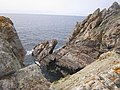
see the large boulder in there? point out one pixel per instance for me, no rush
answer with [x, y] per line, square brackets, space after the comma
[28, 78]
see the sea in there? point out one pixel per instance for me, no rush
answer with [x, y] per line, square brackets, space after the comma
[35, 28]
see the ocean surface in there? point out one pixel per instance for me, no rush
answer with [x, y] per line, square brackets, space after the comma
[33, 29]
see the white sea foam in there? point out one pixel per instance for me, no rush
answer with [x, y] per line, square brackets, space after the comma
[29, 52]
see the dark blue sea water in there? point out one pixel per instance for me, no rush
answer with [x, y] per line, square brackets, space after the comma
[32, 29]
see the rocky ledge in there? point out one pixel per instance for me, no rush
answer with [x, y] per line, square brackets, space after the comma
[102, 74]
[13, 74]
[95, 35]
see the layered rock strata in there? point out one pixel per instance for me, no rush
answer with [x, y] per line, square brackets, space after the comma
[97, 34]
[103, 74]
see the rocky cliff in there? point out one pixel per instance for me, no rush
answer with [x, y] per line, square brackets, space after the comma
[99, 31]
[13, 74]
[97, 34]
[95, 38]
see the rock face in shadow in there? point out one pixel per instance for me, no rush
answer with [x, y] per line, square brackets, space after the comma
[12, 74]
[97, 34]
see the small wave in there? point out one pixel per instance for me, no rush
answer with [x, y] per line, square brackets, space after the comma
[29, 52]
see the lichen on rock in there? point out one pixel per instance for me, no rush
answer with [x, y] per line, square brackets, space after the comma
[13, 74]
[8, 32]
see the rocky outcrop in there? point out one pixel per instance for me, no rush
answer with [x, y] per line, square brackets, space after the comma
[101, 27]
[28, 78]
[103, 74]
[114, 7]
[43, 49]
[100, 31]
[9, 48]
[97, 34]
[8, 33]
[12, 74]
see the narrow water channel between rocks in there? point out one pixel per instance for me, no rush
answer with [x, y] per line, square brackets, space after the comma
[29, 59]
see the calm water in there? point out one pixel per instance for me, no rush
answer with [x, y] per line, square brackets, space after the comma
[33, 29]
